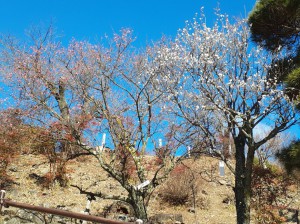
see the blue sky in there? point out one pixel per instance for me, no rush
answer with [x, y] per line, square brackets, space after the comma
[90, 19]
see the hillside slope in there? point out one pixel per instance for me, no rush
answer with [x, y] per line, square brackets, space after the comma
[214, 194]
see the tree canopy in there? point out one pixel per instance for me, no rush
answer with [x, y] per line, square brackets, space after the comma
[275, 25]
[83, 90]
[290, 157]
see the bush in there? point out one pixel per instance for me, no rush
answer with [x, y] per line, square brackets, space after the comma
[5, 160]
[10, 145]
[269, 188]
[290, 157]
[181, 187]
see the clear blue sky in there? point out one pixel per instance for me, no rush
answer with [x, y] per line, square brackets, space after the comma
[93, 18]
[90, 19]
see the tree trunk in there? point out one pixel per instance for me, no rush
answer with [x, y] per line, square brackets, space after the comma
[248, 180]
[137, 202]
[241, 201]
[243, 178]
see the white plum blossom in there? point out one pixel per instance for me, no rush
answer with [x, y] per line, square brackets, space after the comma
[218, 69]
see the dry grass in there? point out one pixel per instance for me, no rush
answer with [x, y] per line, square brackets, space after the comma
[85, 172]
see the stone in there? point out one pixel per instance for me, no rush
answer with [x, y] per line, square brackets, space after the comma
[228, 200]
[116, 209]
[166, 219]
[32, 217]
[13, 169]
[291, 215]
[12, 221]
[204, 192]
[191, 210]
[222, 182]
[122, 217]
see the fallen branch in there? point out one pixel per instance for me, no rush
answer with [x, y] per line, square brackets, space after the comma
[100, 194]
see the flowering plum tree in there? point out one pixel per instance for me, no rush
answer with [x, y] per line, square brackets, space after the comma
[215, 71]
[83, 90]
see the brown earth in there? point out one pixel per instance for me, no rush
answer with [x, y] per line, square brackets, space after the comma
[214, 198]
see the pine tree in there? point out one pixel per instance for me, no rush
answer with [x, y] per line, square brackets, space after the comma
[275, 25]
